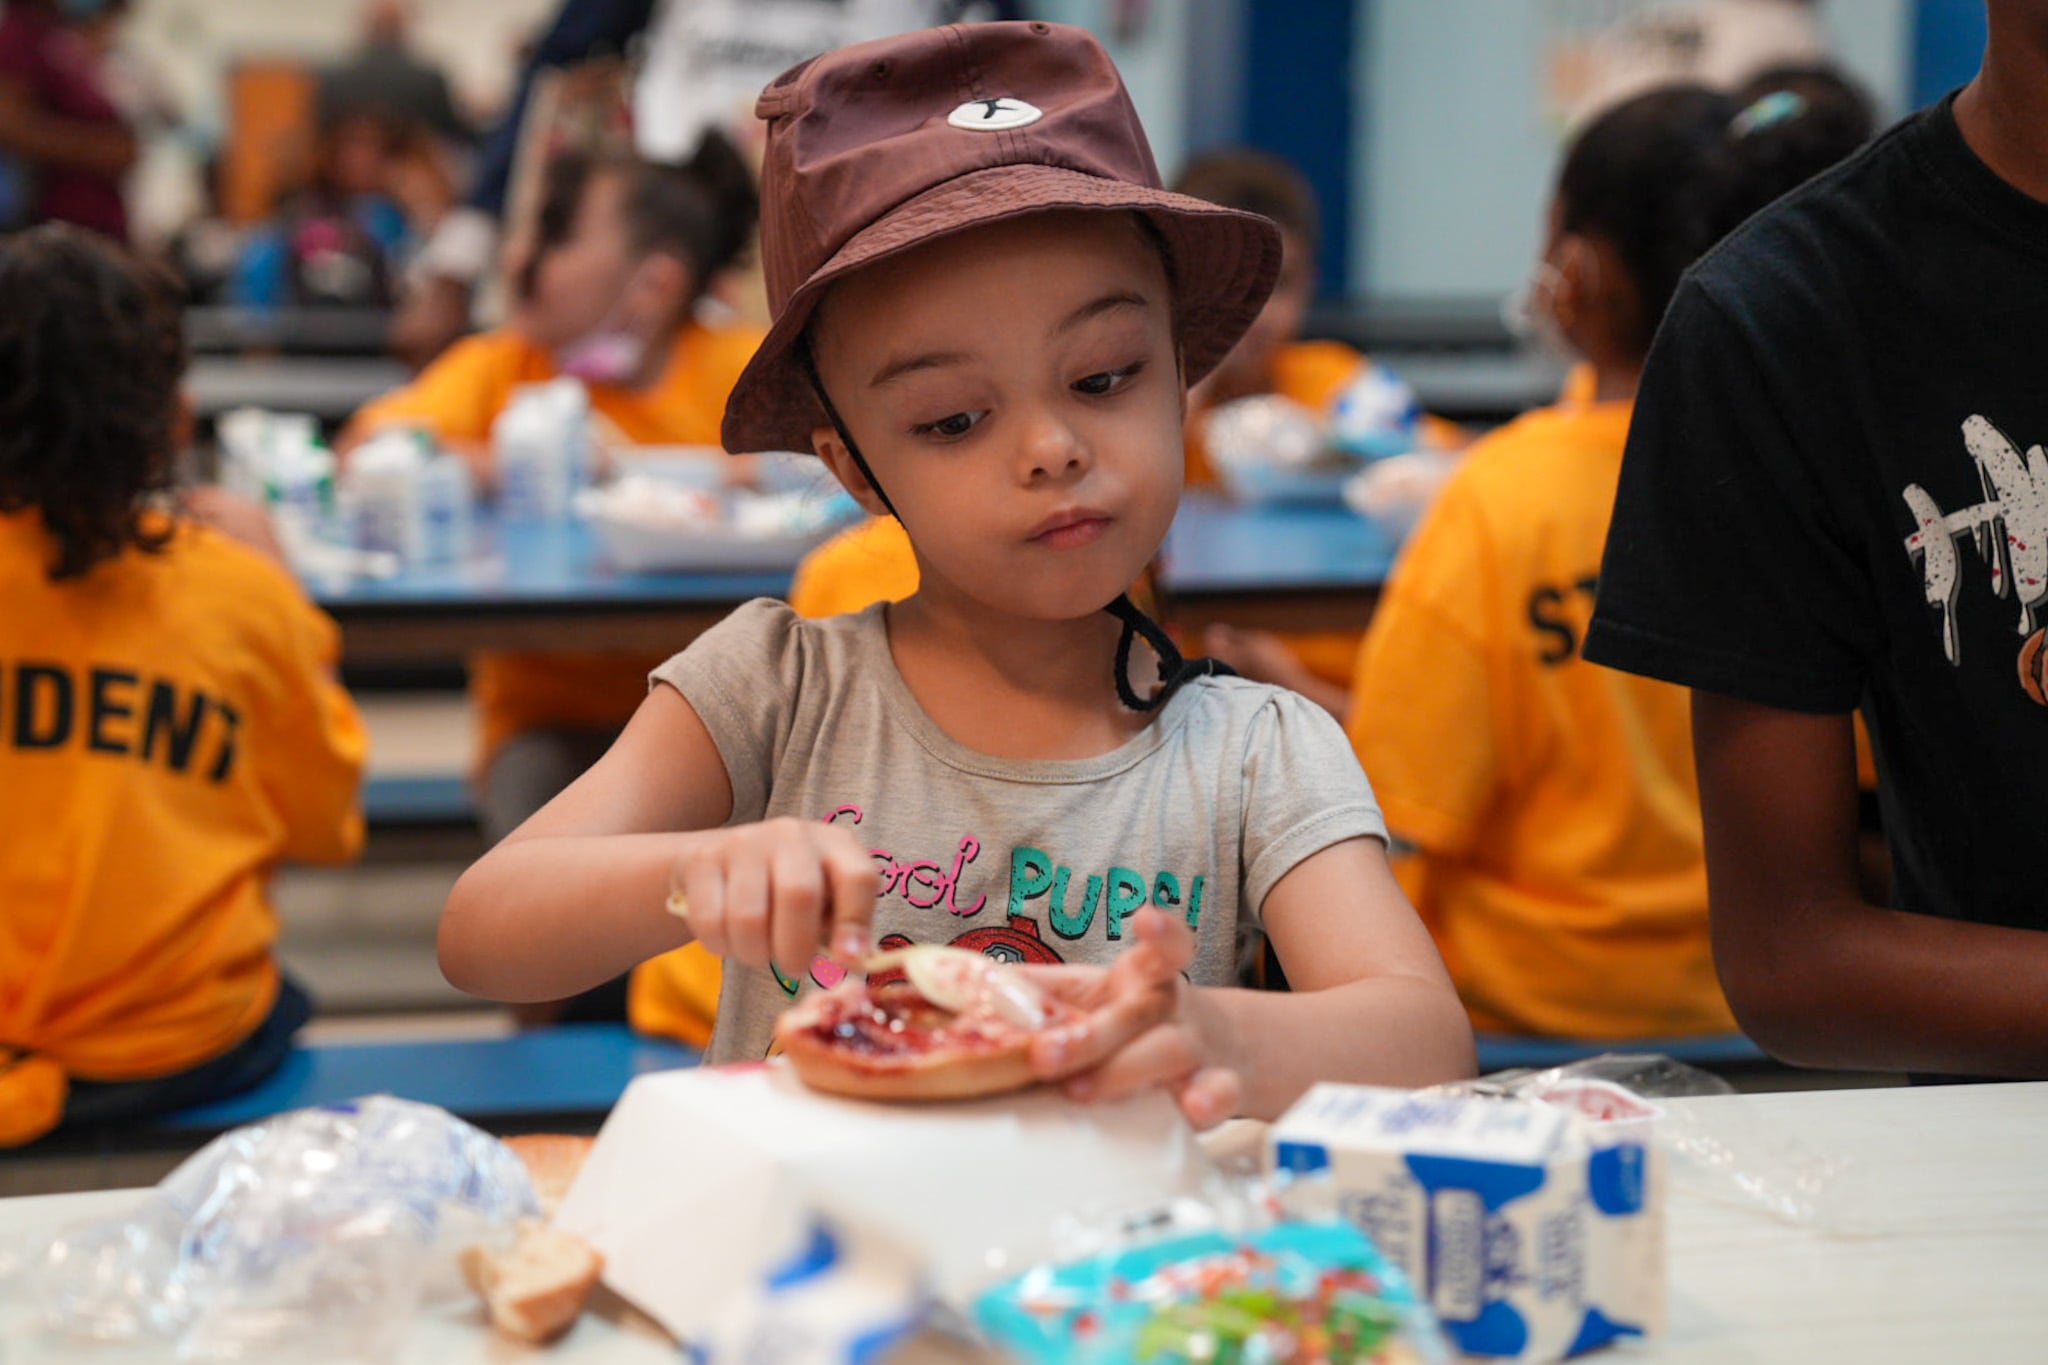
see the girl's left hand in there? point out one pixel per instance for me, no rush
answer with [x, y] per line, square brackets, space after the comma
[1141, 1028]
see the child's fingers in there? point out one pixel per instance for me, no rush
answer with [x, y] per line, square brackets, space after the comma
[1090, 1041]
[796, 922]
[850, 874]
[1165, 949]
[1161, 1058]
[746, 904]
[1210, 1096]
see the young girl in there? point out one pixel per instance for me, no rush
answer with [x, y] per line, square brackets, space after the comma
[170, 726]
[1552, 804]
[986, 312]
[623, 252]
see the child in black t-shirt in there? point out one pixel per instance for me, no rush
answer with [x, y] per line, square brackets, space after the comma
[1836, 496]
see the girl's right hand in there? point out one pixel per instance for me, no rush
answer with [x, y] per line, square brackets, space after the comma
[779, 890]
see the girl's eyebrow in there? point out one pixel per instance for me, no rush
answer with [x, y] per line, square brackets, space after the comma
[1095, 308]
[931, 360]
[935, 360]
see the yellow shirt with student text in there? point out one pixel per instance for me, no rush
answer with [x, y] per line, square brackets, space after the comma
[460, 395]
[170, 730]
[1552, 803]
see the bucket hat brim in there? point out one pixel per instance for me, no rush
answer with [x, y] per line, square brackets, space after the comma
[1224, 264]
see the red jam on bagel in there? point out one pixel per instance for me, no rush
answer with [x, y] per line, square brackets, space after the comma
[956, 1025]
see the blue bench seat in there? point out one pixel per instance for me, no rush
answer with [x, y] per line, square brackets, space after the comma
[1503, 1052]
[417, 799]
[568, 1070]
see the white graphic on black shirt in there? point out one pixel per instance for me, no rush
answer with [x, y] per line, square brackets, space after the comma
[2009, 528]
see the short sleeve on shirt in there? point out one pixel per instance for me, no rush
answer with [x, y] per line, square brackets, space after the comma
[1303, 792]
[1422, 705]
[740, 678]
[1725, 567]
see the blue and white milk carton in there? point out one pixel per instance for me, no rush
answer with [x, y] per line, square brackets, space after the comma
[1533, 1232]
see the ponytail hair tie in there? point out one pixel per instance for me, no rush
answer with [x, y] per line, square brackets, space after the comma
[1766, 112]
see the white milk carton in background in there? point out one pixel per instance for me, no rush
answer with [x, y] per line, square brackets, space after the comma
[439, 530]
[542, 446]
[1531, 1232]
[377, 497]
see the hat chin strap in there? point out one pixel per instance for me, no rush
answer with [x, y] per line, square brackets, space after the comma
[1174, 670]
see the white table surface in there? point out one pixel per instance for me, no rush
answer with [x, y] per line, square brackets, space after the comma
[1954, 1266]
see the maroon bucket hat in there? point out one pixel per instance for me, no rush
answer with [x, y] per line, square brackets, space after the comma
[876, 148]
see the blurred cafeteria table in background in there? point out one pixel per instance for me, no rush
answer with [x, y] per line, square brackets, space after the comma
[1282, 567]
[548, 586]
[329, 387]
[215, 330]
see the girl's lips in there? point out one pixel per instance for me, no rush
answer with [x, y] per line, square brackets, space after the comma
[1069, 533]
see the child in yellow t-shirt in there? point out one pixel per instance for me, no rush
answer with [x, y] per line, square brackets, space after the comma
[1552, 805]
[1272, 358]
[170, 724]
[623, 252]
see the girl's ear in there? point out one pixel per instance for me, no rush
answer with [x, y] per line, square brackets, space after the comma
[846, 469]
[1575, 287]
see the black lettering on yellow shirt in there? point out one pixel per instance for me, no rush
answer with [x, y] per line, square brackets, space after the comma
[1558, 619]
[179, 734]
[42, 706]
[46, 707]
[107, 706]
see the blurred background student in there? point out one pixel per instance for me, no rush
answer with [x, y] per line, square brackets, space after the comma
[623, 251]
[174, 725]
[67, 145]
[702, 64]
[342, 236]
[1551, 806]
[1274, 358]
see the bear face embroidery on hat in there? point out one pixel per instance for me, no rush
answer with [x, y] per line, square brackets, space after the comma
[996, 115]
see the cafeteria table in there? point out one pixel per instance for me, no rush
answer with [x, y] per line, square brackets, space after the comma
[328, 387]
[548, 586]
[1947, 1264]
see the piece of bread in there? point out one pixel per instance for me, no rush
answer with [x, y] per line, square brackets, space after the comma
[946, 1075]
[552, 1161]
[536, 1288]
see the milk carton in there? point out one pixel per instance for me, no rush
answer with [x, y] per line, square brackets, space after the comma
[1532, 1232]
[542, 444]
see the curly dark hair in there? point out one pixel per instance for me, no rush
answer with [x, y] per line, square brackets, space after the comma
[91, 352]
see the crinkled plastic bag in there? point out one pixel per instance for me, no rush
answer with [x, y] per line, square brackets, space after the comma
[318, 1234]
[1742, 1158]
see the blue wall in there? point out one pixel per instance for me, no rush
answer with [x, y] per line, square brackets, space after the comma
[1948, 44]
[1297, 105]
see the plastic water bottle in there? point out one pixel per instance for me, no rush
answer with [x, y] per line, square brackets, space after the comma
[377, 493]
[542, 445]
[443, 507]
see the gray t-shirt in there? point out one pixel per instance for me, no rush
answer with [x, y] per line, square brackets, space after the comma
[1231, 786]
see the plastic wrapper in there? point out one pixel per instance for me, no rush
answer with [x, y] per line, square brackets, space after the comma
[318, 1234]
[1748, 1162]
[1376, 416]
[1254, 1272]
[1394, 493]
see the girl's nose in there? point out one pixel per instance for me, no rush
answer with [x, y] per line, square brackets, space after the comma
[1054, 450]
